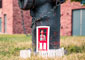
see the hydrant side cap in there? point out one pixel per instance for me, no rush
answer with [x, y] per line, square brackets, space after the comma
[25, 4]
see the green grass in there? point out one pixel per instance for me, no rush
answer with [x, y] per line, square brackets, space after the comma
[13, 38]
[10, 46]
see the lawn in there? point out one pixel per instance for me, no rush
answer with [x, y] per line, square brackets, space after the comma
[10, 45]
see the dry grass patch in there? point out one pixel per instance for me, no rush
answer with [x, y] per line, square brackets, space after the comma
[10, 46]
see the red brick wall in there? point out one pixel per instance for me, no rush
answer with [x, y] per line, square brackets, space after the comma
[66, 16]
[0, 12]
[7, 8]
[17, 22]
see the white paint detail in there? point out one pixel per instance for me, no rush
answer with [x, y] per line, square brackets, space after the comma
[44, 47]
[25, 54]
[52, 53]
[40, 45]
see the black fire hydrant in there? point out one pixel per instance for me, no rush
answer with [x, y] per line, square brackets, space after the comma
[44, 13]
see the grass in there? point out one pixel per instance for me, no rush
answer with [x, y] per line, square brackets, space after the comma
[10, 45]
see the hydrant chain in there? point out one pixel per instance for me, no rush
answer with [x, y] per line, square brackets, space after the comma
[44, 15]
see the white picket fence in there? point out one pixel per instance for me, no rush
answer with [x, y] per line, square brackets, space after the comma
[51, 53]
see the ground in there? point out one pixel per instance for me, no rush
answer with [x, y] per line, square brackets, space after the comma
[10, 46]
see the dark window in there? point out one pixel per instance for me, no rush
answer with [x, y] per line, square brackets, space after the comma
[5, 23]
[83, 2]
[0, 3]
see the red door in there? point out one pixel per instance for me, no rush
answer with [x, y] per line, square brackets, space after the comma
[42, 38]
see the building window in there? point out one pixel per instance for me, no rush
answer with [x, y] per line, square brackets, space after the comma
[0, 3]
[83, 2]
[5, 23]
[0, 25]
[79, 22]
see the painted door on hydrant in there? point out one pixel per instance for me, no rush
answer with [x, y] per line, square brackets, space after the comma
[42, 38]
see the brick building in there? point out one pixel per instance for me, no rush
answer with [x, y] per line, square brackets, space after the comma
[10, 18]
[70, 18]
[11, 23]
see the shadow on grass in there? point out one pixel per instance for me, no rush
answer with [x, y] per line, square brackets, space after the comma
[75, 49]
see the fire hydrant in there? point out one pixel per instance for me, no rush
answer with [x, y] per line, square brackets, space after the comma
[45, 13]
